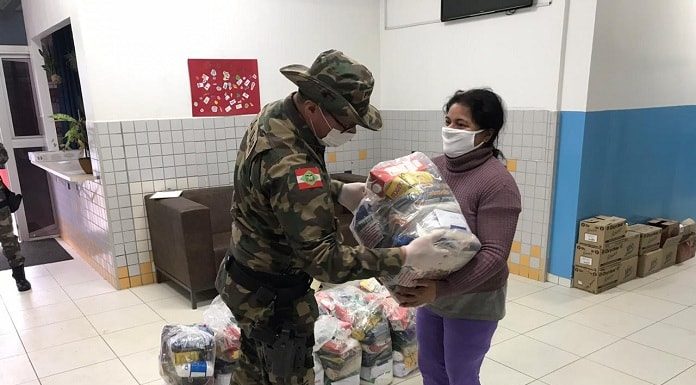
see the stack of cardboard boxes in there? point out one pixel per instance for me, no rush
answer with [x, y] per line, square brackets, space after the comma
[599, 253]
[609, 252]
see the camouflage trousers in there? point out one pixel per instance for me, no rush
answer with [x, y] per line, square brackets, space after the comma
[10, 244]
[252, 366]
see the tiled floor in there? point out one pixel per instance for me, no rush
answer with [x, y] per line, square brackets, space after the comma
[75, 328]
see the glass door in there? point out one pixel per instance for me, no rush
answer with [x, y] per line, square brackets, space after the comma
[21, 133]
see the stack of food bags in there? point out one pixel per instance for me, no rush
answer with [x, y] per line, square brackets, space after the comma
[187, 355]
[227, 334]
[339, 354]
[402, 322]
[407, 198]
[370, 328]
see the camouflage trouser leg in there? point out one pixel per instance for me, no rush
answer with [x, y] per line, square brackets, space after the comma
[252, 369]
[10, 244]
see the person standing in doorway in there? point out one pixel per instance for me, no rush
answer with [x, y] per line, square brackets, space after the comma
[8, 239]
[455, 331]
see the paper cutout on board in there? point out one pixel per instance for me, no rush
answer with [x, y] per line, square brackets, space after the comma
[224, 87]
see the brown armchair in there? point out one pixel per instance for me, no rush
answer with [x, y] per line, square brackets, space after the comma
[190, 236]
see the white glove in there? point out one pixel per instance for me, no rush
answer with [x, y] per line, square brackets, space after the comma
[422, 250]
[351, 194]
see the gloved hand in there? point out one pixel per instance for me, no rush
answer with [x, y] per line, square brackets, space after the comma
[422, 250]
[351, 194]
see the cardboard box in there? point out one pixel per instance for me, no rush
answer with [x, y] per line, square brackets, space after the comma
[650, 263]
[601, 229]
[687, 248]
[595, 257]
[596, 280]
[631, 245]
[669, 257]
[649, 237]
[628, 269]
[669, 228]
[688, 226]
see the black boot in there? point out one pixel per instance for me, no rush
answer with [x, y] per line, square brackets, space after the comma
[20, 279]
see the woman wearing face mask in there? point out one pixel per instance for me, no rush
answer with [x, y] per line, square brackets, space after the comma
[455, 330]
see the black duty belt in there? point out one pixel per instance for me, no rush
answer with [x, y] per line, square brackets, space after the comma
[282, 290]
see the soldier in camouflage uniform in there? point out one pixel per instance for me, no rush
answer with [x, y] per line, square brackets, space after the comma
[10, 244]
[285, 230]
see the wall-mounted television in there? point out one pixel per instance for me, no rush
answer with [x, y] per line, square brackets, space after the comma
[459, 9]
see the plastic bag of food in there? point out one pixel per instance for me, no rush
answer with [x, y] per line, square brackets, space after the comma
[226, 331]
[402, 322]
[407, 198]
[187, 355]
[339, 354]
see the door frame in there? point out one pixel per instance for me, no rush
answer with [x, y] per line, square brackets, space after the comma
[11, 142]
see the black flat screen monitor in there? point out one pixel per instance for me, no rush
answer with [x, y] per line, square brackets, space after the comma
[459, 9]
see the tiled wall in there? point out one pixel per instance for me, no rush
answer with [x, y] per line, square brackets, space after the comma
[142, 157]
[82, 217]
[528, 141]
[135, 158]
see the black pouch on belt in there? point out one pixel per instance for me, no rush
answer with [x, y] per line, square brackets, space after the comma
[284, 349]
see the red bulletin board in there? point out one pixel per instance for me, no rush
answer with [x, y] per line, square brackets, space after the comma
[224, 87]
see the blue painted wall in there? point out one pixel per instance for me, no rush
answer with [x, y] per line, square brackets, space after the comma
[637, 164]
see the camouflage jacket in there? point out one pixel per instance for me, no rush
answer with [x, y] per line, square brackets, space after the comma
[3, 156]
[283, 206]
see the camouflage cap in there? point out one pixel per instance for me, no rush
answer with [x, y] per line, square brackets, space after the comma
[340, 85]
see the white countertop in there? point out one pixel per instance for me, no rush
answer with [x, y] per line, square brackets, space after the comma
[61, 164]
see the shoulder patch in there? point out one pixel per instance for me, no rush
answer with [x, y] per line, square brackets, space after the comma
[308, 178]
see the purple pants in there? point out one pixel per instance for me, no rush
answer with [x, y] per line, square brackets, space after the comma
[451, 351]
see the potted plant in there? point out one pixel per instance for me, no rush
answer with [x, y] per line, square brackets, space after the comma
[76, 136]
[50, 67]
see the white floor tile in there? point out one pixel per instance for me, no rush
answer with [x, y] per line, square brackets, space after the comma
[641, 361]
[88, 289]
[522, 319]
[637, 282]
[609, 320]
[644, 306]
[668, 338]
[81, 274]
[553, 302]
[518, 289]
[684, 319]
[56, 334]
[572, 337]
[684, 277]
[6, 325]
[178, 310]
[686, 378]
[45, 315]
[33, 299]
[154, 292]
[40, 284]
[135, 340]
[108, 302]
[125, 318]
[66, 357]
[668, 291]
[411, 381]
[63, 267]
[144, 366]
[594, 298]
[493, 373]
[530, 357]
[584, 372]
[10, 345]
[105, 373]
[16, 370]
[503, 334]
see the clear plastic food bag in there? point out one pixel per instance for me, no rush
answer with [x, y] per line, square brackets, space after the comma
[340, 355]
[226, 331]
[407, 198]
[187, 355]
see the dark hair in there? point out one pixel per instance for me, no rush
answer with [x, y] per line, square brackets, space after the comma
[487, 111]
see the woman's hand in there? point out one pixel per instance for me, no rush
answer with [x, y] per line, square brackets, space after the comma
[425, 292]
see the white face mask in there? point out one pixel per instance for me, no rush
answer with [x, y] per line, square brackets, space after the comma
[334, 138]
[457, 142]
